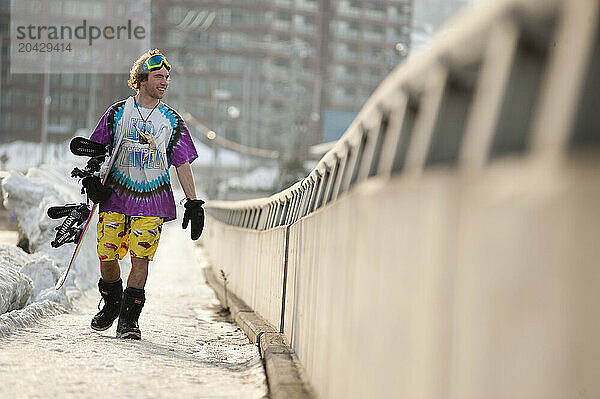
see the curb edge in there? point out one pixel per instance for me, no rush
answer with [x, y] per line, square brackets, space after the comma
[282, 368]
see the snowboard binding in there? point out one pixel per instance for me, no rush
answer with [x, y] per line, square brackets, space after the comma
[90, 175]
[71, 228]
[76, 215]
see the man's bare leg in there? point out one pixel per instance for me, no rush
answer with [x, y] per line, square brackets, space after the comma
[138, 274]
[110, 270]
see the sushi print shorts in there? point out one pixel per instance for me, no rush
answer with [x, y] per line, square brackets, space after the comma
[118, 233]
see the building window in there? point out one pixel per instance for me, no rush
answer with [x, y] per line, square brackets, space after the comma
[67, 80]
[66, 121]
[66, 101]
[6, 97]
[284, 16]
[233, 64]
[281, 62]
[233, 86]
[118, 80]
[30, 123]
[30, 100]
[30, 78]
[5, 121]
[82, 103]
[176, 14]
[199, 86]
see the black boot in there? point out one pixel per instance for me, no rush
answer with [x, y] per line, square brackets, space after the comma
[133, 302]
[112, 294]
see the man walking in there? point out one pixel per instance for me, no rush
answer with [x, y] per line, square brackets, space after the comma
[130, 220]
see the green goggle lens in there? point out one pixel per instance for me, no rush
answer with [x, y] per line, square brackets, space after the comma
[156, 62]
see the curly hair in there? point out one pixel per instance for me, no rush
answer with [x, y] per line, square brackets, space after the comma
[137, 75]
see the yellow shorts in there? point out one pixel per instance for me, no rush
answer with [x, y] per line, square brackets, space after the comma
[118, 233]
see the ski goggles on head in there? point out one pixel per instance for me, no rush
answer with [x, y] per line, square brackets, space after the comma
[156, 62]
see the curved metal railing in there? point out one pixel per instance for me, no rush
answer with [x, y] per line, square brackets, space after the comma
[511, 78]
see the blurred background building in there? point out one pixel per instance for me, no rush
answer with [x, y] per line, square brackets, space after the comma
[280, 75]
[297, 70]
[430, 15]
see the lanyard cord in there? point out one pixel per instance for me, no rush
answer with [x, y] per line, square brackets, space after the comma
[140, 112]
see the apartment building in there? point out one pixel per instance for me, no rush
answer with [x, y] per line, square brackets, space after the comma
[276, 74]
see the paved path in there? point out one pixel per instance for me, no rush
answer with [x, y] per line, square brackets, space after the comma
[9, 237]
[187, 349]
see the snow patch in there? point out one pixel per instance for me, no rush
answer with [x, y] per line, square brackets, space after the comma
[27, 282]
[23, 155]
[261, 178]
[17, 319]
[15, 288]
[29, 197]
[13, 255]
[44, 273]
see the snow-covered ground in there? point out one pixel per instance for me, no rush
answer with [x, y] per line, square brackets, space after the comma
[27, 280]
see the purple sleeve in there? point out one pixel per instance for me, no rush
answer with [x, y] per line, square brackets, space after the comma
[102, 133]
[183, 149]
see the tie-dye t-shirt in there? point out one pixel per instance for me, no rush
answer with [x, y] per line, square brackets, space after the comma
[139, 177]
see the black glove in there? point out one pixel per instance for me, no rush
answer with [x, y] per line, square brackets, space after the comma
[95, 190]
[195, 213]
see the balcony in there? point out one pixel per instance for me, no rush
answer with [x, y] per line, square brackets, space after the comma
[344, 99]
[343, 54]
[305, 28]
[306, 5]
[282, 25]
[346, 9]
[399, 18]
[347, 33]
[374, 36]
[371, 79]
[375, 14]
[343, 76]
[277, 72]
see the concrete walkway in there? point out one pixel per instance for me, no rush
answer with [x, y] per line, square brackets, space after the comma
[187, 349]
[9, 237]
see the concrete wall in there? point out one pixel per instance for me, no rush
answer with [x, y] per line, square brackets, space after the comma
[368, 289]
[526, 319]
[252, 262]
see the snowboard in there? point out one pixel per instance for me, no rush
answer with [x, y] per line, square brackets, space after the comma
[78, 217]
[70, 230]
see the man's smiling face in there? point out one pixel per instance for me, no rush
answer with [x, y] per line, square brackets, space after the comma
[157, 83]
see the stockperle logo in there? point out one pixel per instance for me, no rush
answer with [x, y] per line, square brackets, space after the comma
[78, 36]
[86, 32]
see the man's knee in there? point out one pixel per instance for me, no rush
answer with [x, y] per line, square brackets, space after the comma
[110, 270]
[139, 262]
[109, 264]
